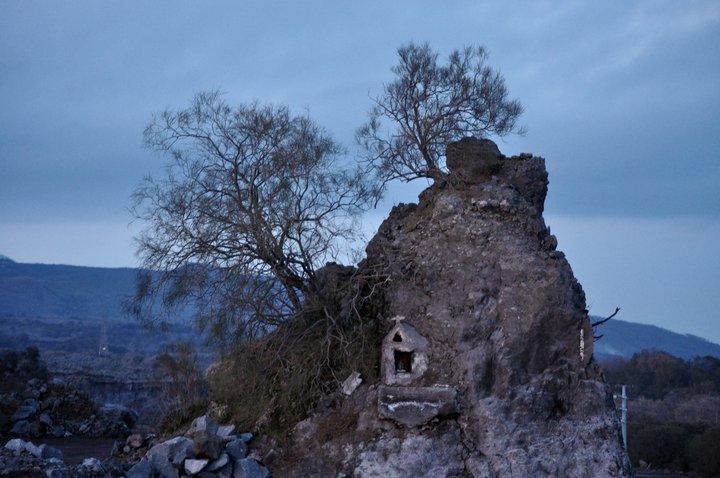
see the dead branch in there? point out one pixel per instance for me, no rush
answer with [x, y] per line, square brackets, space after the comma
[600, 322]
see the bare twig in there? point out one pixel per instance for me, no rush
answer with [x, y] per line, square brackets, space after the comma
[602, 321]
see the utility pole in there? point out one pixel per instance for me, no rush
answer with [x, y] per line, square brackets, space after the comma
[623, 415]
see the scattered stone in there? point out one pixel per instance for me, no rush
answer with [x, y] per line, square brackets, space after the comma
[175, 450]
[93, 464]
[237, 449]
[204, 423]
[351, 383]
[113, 413]
[249, 468]
[136, 440]
[225, 472]
[19, 458]
[141, 469]
[46, 420]
[56, 473]
[226, 431]
[207, 445]
[246, 437]
[304, 430]
[270, 457]
[29, 408]
[20, 428]
[17, 445]
[194, 466]
[162, 467]
[116, 448]
[57, 431]
[34, 450]
[222, 460]
[47, 452]
[204, 456]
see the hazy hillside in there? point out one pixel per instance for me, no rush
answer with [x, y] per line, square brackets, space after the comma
[63, 291]
[41, 290]
[624, 339]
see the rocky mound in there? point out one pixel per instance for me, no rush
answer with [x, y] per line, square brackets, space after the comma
[487, 368]
[19, 458]
[35, 406]
[207, 450]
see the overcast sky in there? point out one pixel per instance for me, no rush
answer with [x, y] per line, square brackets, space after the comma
[622, 99]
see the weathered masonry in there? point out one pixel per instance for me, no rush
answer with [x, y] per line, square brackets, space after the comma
[404, 362]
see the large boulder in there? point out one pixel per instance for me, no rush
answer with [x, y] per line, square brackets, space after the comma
[207, 445]
[141, 469]
[16, 445]
[194, 466]
[493, 316]
[175, 450]
[162, 468]
[220, 462]
[237, 449]
[205, 424]
[473, 160]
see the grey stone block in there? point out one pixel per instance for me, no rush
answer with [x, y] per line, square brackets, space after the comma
[414, 406]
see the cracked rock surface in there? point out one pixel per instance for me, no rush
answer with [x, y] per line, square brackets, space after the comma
[474, 269]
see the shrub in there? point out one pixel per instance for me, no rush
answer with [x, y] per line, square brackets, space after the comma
[182, 383]
[661, 444]
[704, 452]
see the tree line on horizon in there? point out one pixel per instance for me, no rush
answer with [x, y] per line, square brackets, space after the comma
[673, 412]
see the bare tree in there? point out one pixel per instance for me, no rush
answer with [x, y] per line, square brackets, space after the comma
[430, 105]
[252, 204]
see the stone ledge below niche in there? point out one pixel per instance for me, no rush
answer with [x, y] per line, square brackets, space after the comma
[415, 406]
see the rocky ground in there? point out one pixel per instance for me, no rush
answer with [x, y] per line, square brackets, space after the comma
[206, 450]
[130, 379]
[19, 458]
[58, 410]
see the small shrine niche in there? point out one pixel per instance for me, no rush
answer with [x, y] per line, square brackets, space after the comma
[404, 357]
[403, 361]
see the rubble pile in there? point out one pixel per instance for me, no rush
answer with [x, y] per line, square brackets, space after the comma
[207, 450]
[58, 410]
[25, 459]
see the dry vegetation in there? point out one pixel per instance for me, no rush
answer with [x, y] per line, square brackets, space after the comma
[272, 382]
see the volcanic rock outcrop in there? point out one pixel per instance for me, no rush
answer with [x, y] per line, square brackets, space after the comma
[487, 367]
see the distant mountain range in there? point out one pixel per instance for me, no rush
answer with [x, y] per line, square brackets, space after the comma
[41, 290]
[623, 339]
[44, 290]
